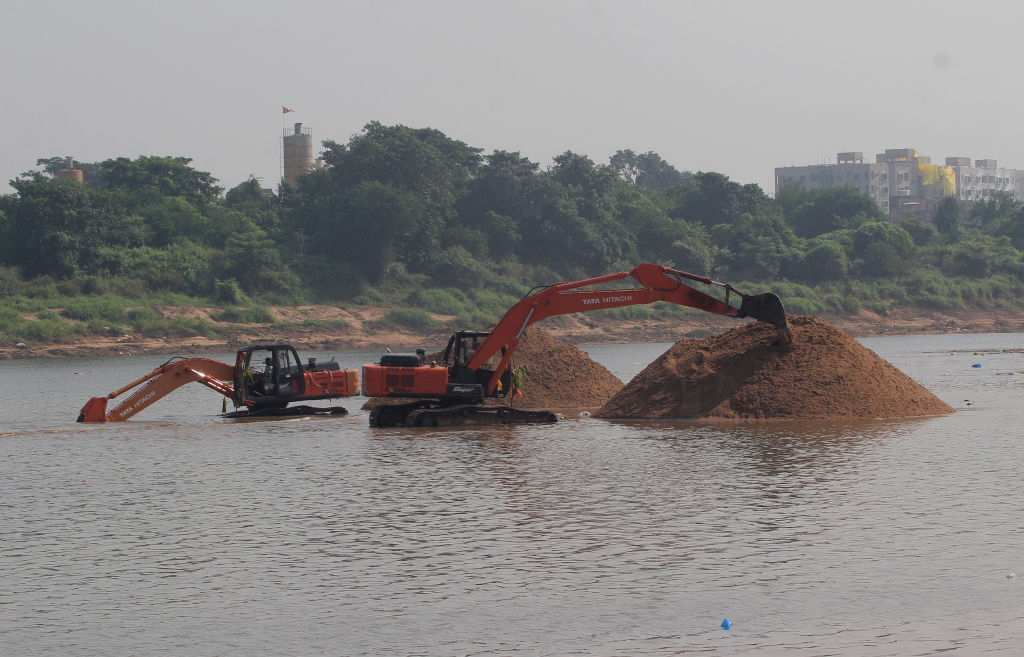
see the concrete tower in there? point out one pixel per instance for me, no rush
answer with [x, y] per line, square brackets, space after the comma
[69, 172]
[298, 153]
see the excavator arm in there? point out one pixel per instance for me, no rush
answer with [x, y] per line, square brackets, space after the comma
[658, 283]
[157, 384]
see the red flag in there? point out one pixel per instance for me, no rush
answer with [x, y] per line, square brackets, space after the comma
[285, 110]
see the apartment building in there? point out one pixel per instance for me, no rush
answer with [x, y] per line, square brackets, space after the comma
[905, 183]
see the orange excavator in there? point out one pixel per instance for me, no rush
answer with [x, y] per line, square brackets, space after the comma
[453, 391]
[265, 379]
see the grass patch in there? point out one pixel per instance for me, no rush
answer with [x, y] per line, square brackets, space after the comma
[245, 315]
[415, 319]
[312, 322]
[181, 327]
[88, 309]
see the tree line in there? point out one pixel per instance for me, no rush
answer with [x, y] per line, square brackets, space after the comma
[413, 217]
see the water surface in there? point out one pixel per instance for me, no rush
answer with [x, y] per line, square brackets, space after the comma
[181, 533]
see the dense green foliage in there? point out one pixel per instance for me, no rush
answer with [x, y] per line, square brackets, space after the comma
[423, 222]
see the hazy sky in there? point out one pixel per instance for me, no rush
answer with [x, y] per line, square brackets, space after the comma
[734, 87]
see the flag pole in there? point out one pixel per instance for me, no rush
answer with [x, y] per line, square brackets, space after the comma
[284, 110]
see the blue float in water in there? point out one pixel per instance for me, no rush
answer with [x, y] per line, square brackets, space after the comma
[726, 624]
[976, 365]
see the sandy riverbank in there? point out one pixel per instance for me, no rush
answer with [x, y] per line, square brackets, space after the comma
[361, 331]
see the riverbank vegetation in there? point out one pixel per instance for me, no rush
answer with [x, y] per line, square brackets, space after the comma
[445, 236]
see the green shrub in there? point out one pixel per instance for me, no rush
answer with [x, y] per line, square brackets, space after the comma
[10, 282]
[370, 296]
[105, 308]
[490, 301]
[229, 293]
[629, 313]
[477, 320]
[47, 330]
[412, 318]
[246, 315]
[842, 304]
[803, 306]
[100, 327]
[446, 301]
[10, 323]
[42, 287]
[140, 312]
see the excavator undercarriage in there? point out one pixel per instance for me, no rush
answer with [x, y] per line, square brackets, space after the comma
[427, 413]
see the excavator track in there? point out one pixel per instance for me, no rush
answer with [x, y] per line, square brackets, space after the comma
[423, 414]
[287, 411]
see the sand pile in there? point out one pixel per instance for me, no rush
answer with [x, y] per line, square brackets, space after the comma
[558, 375]
[741, 374]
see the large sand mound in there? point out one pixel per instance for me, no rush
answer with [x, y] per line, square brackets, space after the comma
[742, 374]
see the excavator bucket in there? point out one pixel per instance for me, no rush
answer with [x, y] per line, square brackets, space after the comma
[95, 410]
[767, 307]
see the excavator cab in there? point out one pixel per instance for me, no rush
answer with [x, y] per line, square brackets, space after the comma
[460, 350]
[268, 375]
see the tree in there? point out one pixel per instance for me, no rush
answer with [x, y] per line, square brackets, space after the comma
[500, 199]
[759, 244]
[255, 262]
[433, 169]
[91, 172]
[249, 198]
[826, 210]
[922, 232]
[823, 260]
[149, 176]
[597, 239]
[52, 227]
[792, 198]
[711, 199]
[173, 218]
[650, 227]
[947, 219]
[352, 234]
[647, 170]
[998, 206]
[880, 249]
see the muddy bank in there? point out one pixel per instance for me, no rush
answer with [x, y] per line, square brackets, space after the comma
[743, 374]
[362, 331]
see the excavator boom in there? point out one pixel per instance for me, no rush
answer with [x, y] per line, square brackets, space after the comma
[659, 284]
[157, 384]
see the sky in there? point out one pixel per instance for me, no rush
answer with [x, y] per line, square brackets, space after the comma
[737, 87]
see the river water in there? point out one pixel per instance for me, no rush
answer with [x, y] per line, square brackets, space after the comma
[181, 533]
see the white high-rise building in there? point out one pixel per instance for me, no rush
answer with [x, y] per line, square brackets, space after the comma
[904, 183]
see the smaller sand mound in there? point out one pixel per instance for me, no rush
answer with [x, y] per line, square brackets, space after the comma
[558, 375]
[741, 374]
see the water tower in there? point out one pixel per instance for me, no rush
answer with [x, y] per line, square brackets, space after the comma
[298, 153]
[69, 172]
